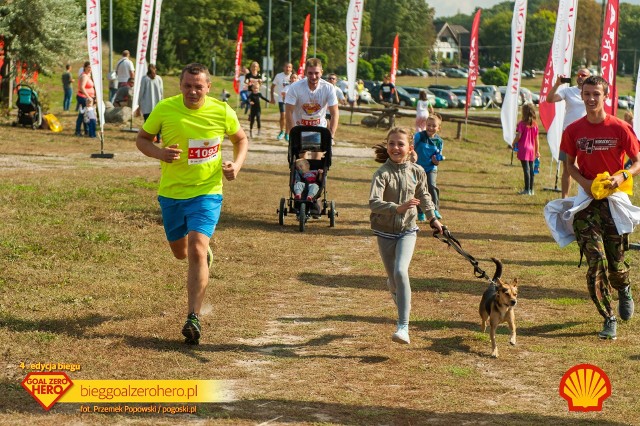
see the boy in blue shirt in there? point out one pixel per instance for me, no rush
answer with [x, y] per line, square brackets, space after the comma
[428, 154]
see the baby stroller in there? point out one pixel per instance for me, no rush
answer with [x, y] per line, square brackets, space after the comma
[29, 110]
[313, 144]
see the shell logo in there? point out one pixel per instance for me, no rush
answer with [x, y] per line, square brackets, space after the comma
[585, 387]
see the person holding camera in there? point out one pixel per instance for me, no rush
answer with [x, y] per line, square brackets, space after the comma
[574, 110]
[427, 152]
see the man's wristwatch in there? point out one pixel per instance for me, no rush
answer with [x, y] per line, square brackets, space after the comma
[625, 175]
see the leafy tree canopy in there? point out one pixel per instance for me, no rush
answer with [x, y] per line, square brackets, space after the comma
[43, 33]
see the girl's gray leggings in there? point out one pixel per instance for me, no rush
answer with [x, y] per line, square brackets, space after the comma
[396, 255]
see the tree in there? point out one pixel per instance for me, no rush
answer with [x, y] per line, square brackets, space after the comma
[381, 66]
[365, 70]
[629, 36]
[409, 18]
[42, 33]
[198, 30]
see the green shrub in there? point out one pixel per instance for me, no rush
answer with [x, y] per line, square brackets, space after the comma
[495, 76]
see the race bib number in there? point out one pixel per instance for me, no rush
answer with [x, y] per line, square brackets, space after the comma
[203, 150]
[310, 122]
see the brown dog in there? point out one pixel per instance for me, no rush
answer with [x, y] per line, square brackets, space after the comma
[497, 306]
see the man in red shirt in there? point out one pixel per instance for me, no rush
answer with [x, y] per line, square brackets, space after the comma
[594, 144]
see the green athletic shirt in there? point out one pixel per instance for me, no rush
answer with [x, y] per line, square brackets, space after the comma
[199, 133]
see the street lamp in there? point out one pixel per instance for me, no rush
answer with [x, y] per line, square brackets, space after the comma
[287, 1]
[315, 27]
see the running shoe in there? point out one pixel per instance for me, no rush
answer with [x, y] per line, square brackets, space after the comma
[192, 330]
[401, 335]
[280, 135]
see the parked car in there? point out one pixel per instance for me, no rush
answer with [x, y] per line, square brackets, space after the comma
[490, 93]
[447, 95]
[525, 95]
[456, 73]
[373, 87]
[405, 98]
[431, 98]
[536, 98]
[411, 72]
[630, 101]
[623, 103]
[476, 98]
[440, 86]
[436, 73]
[422, 72]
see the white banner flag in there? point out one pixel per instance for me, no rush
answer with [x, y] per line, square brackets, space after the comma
[509, 112]
[354, 26]
[156, 33]
[141, 52]
[562, 57]
[94, 46]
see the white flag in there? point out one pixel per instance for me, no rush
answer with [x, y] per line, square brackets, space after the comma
[156, 33]
[509, 112]
[354, 26]
[562, 56]
[94, 46]
[141, 52]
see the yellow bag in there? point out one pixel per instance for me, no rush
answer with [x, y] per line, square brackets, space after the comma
[600, 185]
[53, 123]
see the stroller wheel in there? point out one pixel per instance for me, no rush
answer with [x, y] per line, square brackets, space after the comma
[281, 211]
[332, 214]
[302, 215]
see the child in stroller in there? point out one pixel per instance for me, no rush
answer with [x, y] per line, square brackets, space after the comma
[306, 178]
[309, 159]
[29, 110]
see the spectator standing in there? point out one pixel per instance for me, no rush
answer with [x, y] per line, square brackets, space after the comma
[574, 110]
[281, 80]
[151, 91]
[67, 87]
[86, 90]
[125, 69]
[422, 111]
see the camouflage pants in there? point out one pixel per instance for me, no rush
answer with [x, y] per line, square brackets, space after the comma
[604, 250]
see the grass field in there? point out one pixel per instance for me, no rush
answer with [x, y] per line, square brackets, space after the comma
[298, 325]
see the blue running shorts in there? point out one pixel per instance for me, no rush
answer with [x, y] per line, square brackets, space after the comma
[198, 214]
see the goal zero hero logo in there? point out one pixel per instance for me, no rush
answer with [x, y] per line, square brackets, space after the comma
[585, 387]
[47, 388]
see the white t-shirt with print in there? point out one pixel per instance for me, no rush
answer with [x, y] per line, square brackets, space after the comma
[311, 106]
[280, 81]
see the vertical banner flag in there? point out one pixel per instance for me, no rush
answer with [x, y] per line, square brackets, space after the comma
[156, 33]
[509, 111]
[636, 117]
[609, 55]
[94, 46]
[141, 52]
[394, 59]
[1, 55]
[559, 62]
[236, 77]
[354, 26]
[473, 61]
[305, 44]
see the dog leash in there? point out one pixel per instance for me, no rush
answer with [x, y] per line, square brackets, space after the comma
[451, 241]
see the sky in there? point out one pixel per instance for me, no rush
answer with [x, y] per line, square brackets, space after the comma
[451, 7]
